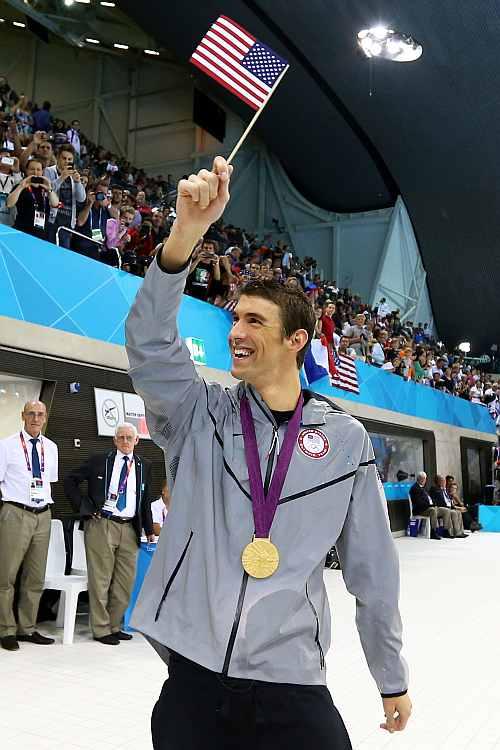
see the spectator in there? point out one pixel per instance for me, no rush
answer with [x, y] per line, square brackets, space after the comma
[73, 138]
[42, 119]
[378, 352]
[40, 148]
[160, 509]
[422, 504]
[467, 519]
[66, 181]
[117, 236]
[383, 309]
[356, 332]
[327, 323]
[92, 220]
[33, 198]
[204, 271]
[10, 177]
[454, 527]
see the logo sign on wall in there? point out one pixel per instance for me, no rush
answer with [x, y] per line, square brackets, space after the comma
[113, 407]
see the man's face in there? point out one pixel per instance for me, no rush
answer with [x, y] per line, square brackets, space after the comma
[157, 220]
[44, 150]
[75, 125]
[441, 483]
[117, 195]
[140, 198]
[34, 169]
[165, 494]
[65, 160]
[359, 320]
[34, 416]
[422, 480]
[125, 439]
[208, 248]
[256, 340]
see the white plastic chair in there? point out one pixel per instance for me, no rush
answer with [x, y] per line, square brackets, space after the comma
[425, 522]
[69, 586]
[79, 561]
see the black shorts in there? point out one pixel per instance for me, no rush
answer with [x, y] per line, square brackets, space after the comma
[200, 710]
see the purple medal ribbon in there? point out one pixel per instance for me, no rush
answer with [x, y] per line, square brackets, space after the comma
[264, 506]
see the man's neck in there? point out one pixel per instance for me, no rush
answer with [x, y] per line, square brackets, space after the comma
[121, 453]
[281, 395]
[32, 431]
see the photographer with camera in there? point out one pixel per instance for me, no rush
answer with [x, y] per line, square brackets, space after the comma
[92, 220]
[40, 148]
[10, 177]
[67, 182]
[33, 199]
[204, 271]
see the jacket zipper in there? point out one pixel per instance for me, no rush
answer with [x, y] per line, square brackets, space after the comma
[244, 581]
[172, 577]
[316, 637]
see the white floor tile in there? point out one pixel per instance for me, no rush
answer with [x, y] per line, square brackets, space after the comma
[451, 613]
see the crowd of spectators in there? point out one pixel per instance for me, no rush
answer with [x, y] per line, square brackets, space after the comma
[53, 179]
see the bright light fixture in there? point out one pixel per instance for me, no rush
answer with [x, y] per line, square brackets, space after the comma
[68, 3]
[380, 41]
[151, 52]
[19, 24]
[92, 41]
[464, 347]
[121, 46]
[107, 4]
[84, 2]
[2, 20]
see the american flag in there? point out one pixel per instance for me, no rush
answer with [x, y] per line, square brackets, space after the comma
[345, 375]
[230, 55]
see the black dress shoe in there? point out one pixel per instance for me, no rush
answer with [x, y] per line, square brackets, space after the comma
[460, 536]
[123, 636]
[435, 535]
[37, 638]
[445, 534]
[108, 640]
[9, 643]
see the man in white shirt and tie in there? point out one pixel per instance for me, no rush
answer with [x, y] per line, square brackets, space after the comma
[160, 508]
[28, 465]
[115, 508]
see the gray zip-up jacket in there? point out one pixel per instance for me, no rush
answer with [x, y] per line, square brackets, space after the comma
[196, 599]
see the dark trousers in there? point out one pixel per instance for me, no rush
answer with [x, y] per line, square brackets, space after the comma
[201, 710]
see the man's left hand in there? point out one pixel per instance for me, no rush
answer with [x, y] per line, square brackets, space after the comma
[397, 712]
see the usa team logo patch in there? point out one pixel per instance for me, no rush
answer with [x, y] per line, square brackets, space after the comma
[313, 443]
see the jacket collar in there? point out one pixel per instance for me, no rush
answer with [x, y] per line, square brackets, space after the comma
[313, 412]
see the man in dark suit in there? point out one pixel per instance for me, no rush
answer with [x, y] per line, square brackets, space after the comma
[443, 501]
[117, 505]
[422, 504]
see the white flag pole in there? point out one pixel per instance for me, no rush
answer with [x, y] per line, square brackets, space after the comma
[255, 117]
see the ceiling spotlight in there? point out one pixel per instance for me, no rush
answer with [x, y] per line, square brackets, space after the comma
[121, 46]
[107, 4]
[92, 41]
[464, 347]
[151, 52]
[84, 2]
[380, 41]
[2, 20]
[69, 3]
[19, 24]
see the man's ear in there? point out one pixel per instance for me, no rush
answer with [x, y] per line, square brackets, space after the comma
[298, 340]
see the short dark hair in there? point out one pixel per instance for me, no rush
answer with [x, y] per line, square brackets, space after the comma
[295, 308]
[66, 147]
[46, 105]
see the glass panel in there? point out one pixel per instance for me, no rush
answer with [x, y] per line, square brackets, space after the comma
[473, 472]
[14, 392]
[399, 458]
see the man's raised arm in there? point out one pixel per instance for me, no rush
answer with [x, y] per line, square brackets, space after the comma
[160, 364]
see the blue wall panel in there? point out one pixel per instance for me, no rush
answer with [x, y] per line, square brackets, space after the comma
[50, 286]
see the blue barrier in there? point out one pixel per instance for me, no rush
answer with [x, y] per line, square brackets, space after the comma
[47, 285]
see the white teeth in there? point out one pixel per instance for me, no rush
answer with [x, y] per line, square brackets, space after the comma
[242, 353]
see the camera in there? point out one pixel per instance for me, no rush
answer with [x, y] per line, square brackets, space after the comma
[100, 196]
[37, 180]
[7, 161]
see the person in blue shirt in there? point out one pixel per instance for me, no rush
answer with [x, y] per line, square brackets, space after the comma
[42, 119]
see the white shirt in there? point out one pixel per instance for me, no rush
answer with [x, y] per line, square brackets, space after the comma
[129, 509]
[378, 355]
[159, 511]
[15, 479]
[74, 138]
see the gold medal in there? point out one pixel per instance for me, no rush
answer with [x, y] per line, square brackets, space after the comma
[260, 558]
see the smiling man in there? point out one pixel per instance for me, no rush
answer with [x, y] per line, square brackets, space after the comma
[265, 478]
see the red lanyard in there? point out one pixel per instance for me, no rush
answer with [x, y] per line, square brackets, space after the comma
[28, 465]
[122, 486]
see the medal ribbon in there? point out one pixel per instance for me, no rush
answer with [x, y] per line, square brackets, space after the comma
[264, 506]
[28, 463]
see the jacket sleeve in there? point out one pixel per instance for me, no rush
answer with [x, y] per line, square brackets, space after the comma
[160, 364]
[72, 481]
[371, 573]
[80, 194]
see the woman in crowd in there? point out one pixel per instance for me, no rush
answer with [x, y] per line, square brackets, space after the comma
[33, 199]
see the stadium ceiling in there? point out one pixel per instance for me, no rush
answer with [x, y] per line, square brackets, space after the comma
[428, 131]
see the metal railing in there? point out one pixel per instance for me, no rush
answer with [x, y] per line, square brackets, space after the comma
[88, 239]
